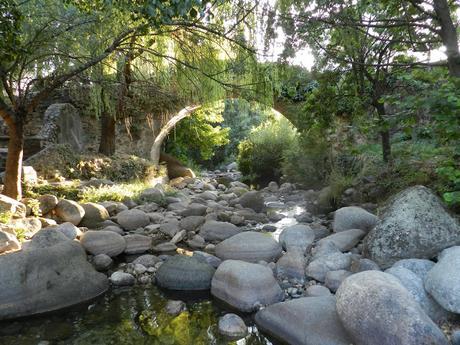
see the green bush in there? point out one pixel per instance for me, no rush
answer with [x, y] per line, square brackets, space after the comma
[307, 161]
[260, 156]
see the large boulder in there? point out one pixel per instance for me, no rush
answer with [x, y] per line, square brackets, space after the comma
[69, 211]
[132, 219]
[420, 267]
[184, 273]
[443, 280]
[45, 238]
[353, 217]
[245, 286]
[414, 284]
[47, 279]
[304, 321]
[136, 243]
[103, 242]
[414, 225]
[249, 246]
[376, 309]
[297, 236]
[95, 214]
[252, 200]
[213, 230]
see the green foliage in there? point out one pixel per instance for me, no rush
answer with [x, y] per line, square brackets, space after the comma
[308, 160]
[197, 136]
[5, 217]
[69, 190]
[260, 156]
[62, 161]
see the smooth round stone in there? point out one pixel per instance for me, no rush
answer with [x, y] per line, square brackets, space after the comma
[122, 279]
[136, 244]
[47, 203]
[345, 240]
[218, 231]
[102, 262]
[133, 219]
[245, 286]
[184, 273]
[297, 236]
[103, 242]
[233, 326]
[47, 237]
[94, 215]
[69, 211]
[249, 246]
[353, 217]
[443, 280]
[376, 309]
[305, 321]
[317, 291]
[69, 230]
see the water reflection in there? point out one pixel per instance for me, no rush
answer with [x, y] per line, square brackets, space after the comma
[123, 317]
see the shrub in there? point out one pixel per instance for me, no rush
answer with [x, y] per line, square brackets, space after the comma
[260, 156]
[307, 161]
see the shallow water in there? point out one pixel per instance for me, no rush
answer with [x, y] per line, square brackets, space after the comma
[128, 316]
[136, 316]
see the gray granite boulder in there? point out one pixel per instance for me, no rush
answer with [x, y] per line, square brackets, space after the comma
[414, 225]
[375, 308]
[47, 279]
[68, 229]
[245, 286]
[291, 266]
[170, 227]
[318, 268]
[304, 321]
[345, 240]
[443, 280]
[414, 284]
[335, 278]
[184, 273]
[45, 238]
[218, 231]
[297, 236]
[194, 209]
[132, 219]
[253, 200]
[47, 203]
[353, 217]
[249, 246]
[137, 244]
[420, 267]
[69, 211]
[103, 242]
[94, 215]
[191, 223]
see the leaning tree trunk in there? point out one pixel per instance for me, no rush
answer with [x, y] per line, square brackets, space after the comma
[384, 133]
[448, 35]
[156, 147]
[13, 167]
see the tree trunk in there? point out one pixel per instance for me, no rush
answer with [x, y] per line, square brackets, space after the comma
[13, 168]
[448, 36]
[156, 147]
[107, 140]
[384, 133]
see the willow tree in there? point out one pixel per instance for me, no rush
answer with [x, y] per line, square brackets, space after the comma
[36, 56]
